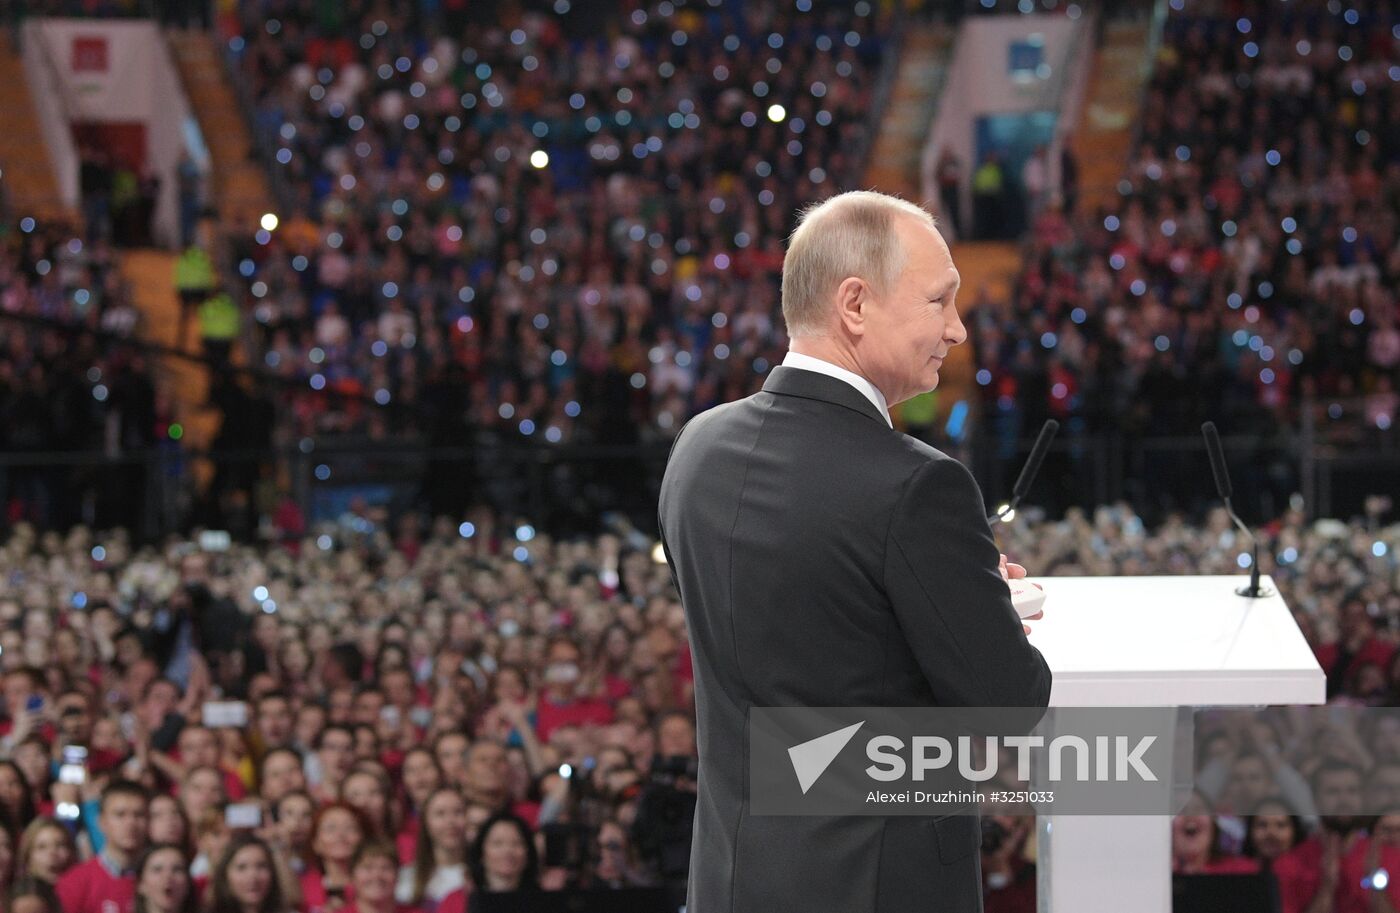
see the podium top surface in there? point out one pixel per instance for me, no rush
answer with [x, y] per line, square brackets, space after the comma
[1172, 641]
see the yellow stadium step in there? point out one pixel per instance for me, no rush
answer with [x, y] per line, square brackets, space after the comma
[150, 274]
[924, 55]
[27, 174]
[1101, 141]
[240, 186]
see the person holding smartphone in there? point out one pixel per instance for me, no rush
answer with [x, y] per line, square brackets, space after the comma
[26, 708]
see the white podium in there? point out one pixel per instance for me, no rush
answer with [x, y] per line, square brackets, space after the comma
[1153, 642]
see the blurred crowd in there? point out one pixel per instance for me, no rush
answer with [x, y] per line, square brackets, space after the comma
[422, 711]
[1254, 257]
[585, 232]
[67, 382]
[421, 708]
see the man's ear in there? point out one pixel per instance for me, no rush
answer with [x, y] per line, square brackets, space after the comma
[853, 305]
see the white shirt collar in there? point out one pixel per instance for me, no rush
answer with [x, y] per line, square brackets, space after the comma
[822, 366]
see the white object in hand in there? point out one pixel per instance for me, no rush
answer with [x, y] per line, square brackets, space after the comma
[1027, 598]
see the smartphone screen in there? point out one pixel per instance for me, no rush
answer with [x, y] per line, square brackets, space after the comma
[73, 771]
[243, 815]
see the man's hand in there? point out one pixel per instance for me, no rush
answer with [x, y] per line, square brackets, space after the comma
[1010, 571]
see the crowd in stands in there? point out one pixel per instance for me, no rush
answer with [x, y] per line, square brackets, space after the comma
[67, 382]
[585, 231]
[424, 708]
[1254, 258]
[585, 235]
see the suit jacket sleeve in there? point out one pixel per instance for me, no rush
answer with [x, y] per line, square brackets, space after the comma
[660, 524]
[955, 609]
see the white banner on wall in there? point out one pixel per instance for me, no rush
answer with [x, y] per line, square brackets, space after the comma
[108, 68]
[118, 71]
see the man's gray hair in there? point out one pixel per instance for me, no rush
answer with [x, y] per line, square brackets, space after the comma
[850, 234]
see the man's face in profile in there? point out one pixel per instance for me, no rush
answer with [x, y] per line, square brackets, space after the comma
[914, 323]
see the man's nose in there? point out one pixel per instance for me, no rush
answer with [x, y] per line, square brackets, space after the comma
[955, 331]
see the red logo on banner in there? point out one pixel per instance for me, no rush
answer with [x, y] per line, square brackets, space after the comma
[90, 55]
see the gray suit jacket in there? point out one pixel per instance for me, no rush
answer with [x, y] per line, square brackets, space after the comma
[825, 559]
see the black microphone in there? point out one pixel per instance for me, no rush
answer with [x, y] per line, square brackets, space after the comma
[1028, 472]
[1222, 485]
[1217, 461]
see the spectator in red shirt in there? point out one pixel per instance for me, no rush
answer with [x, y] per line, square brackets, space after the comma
[335, 755]
[614, 650]
[450, 752]
[107, 882]
[336, 834]
[281, 772]
[368, 788]
[201, 790]
[421, 778]
[1311, 871]
[292, 818]
[373, 875]
[1272, 830]
[485, 779]
[245, 880]
[163, 881]
[561, 704]
[198, 746]
[1196, 844]
[272, 720]
[1008, 871]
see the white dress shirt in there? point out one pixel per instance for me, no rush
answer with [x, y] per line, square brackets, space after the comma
[822, 366]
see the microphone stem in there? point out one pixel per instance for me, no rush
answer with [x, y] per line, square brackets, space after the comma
[1254, 588]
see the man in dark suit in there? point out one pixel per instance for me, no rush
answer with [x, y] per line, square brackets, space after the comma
[825, 559]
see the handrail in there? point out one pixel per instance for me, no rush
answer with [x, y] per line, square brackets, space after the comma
[880, 98]
[1074, 75]
[45, 54]
[154, 348]
[262, 144]
[1154, 44]
[54, 121]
